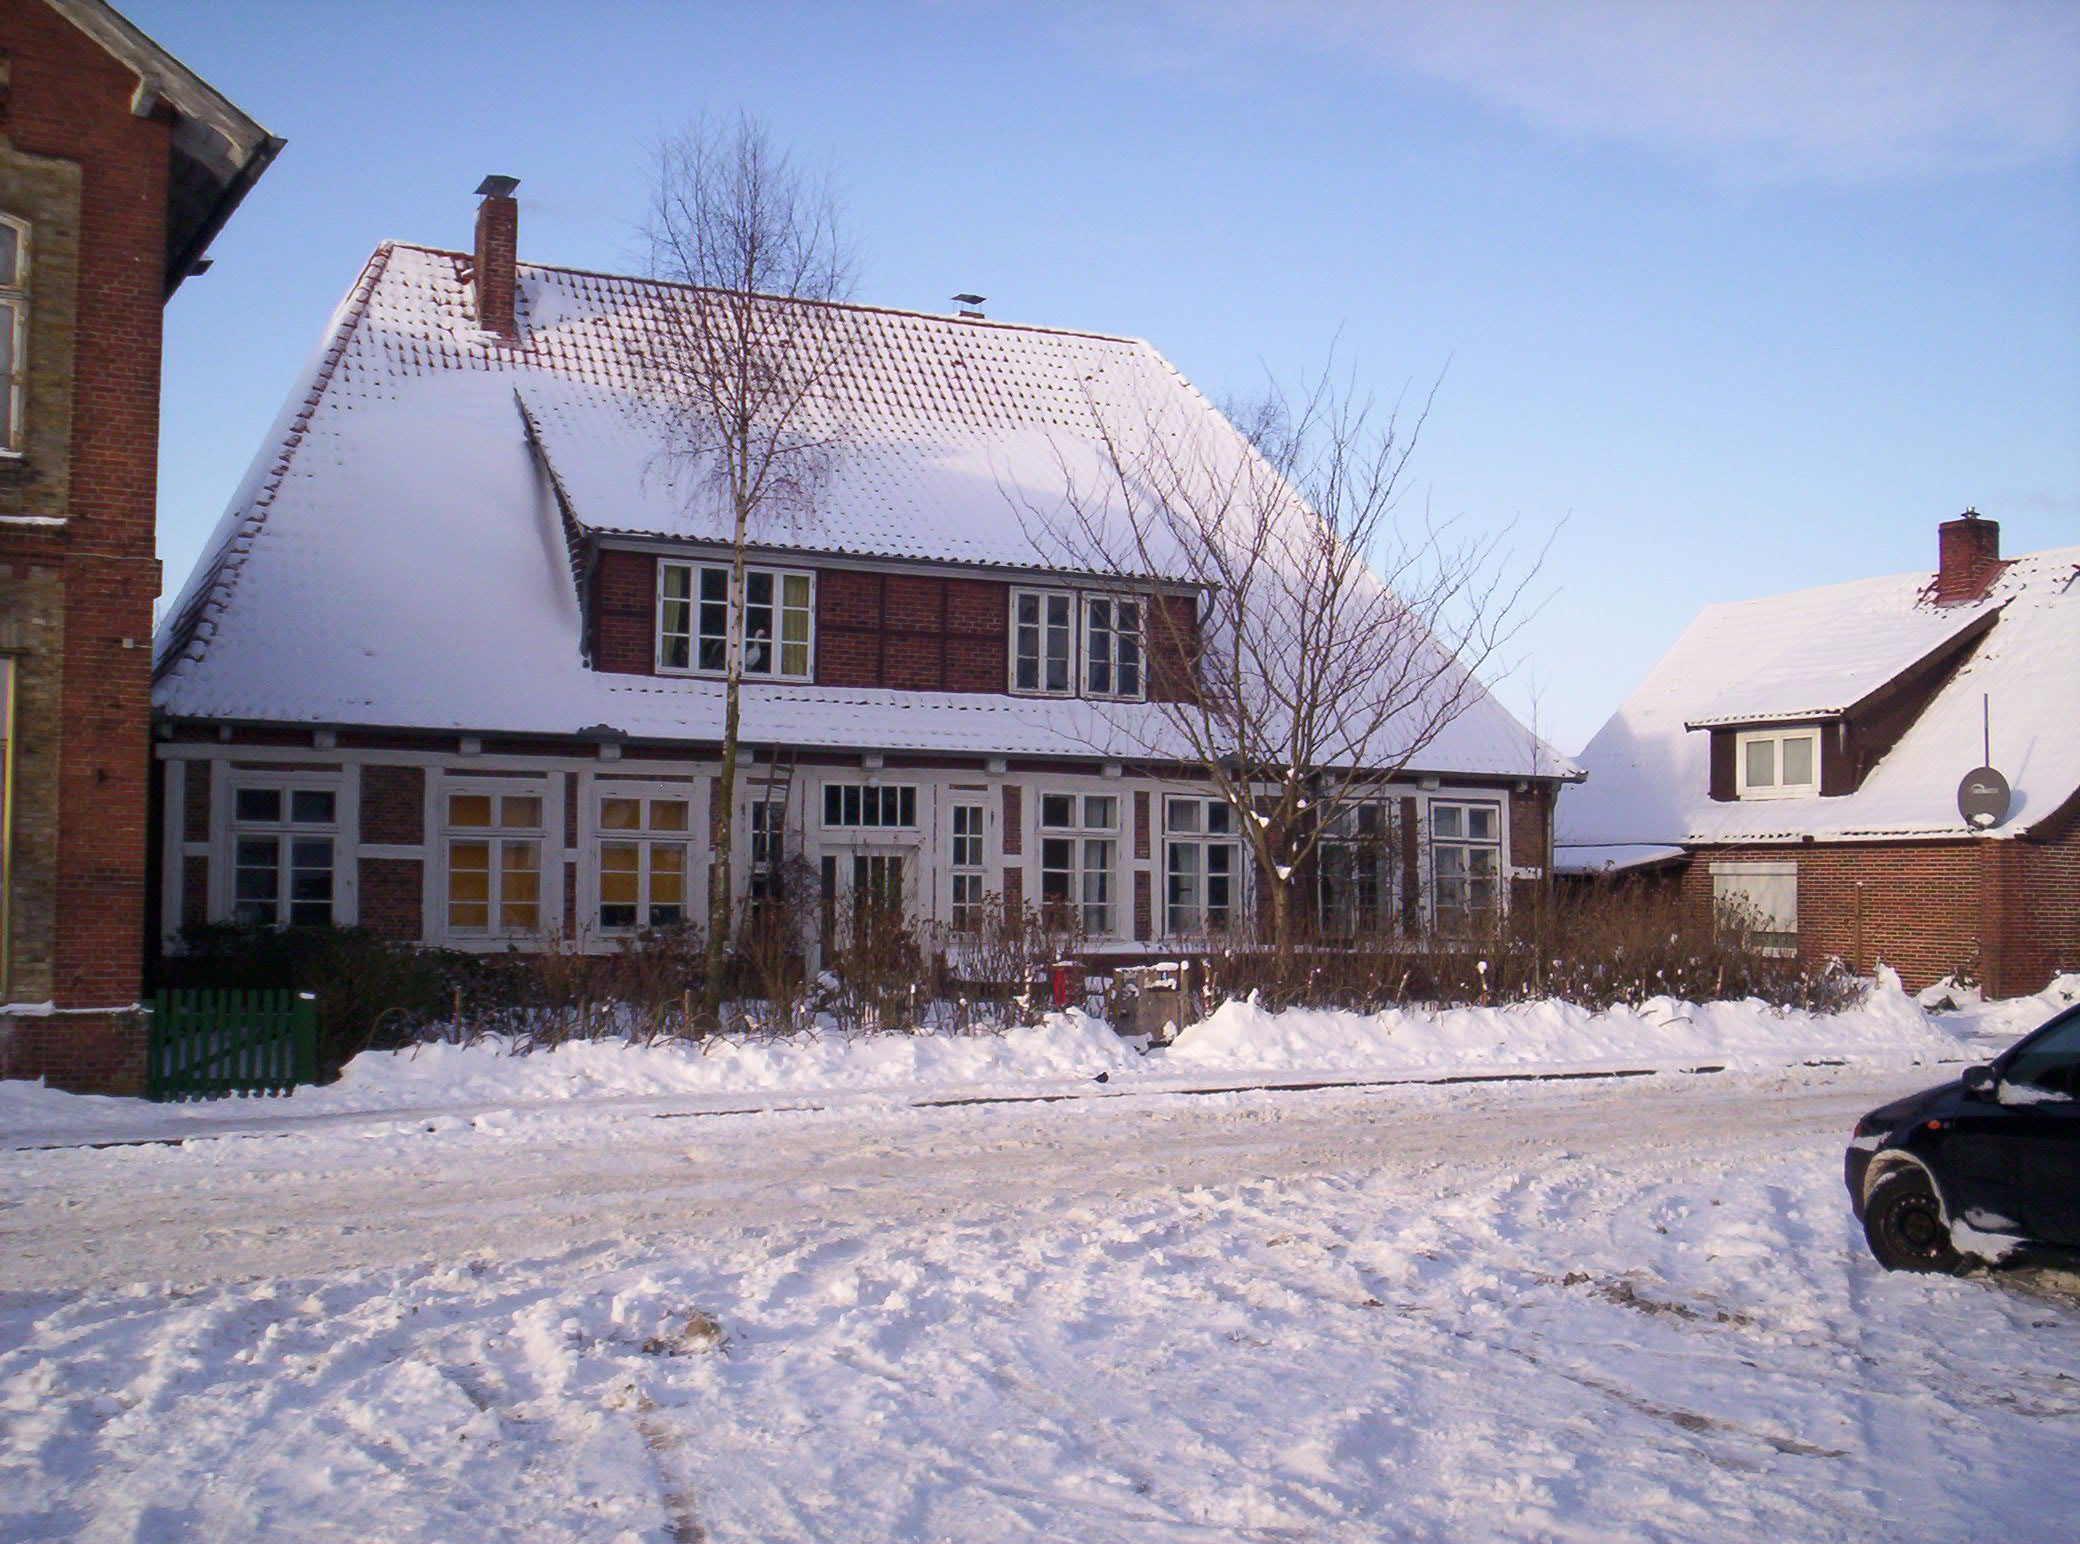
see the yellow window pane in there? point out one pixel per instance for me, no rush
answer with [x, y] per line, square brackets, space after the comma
[520, 888]
[469, 885]
[794, 659]
[795, 592]
[518, 916]
[667, 858]
[472, 916]
[517, 856]
[469, 855]
[469, 809]
[620, 814]
[667, 889]
[520, 813]
[668, 814]
[618, 873]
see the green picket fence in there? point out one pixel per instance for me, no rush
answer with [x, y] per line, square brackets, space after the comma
[207, 1044]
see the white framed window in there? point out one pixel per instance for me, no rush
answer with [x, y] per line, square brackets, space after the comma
[967, 865]
[870, 806]
[642, 853]
[1777, 763]
[1112, 648]
[1202, 866]
[1043, 642]
[1359, 864]
[768, 850]
[1759, 901]
[1078, 841]
[693, 620]
[284, 835]
[14, 331]
[1465, 863]
[492, 840]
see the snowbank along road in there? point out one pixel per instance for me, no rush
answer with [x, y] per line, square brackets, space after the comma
[1579, 1311]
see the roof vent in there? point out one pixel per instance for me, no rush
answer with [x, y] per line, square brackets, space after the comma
[967, 304]
[1968, 557]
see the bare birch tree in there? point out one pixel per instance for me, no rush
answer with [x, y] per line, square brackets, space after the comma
[1305, 648]
[739, 357]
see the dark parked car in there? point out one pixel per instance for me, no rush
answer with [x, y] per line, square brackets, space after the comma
[1985, 1167]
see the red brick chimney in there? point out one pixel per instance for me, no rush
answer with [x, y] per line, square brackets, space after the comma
[1968, 557]
[498, 256]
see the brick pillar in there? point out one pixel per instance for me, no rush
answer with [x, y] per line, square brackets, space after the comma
[498, 257]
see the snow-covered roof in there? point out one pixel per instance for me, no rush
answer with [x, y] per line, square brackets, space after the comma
[1816, 653]
[397, 558]
[1824, 659]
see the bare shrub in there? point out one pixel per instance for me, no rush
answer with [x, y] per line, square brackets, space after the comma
[995, 968]
[1598, 946]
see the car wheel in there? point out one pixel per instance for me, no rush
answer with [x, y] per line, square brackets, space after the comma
[1903, 1220]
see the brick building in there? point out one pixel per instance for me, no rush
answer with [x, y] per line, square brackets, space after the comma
[450, 671]
[1801, 757]
[117, 168]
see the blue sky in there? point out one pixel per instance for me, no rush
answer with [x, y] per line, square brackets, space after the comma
[1739, 298]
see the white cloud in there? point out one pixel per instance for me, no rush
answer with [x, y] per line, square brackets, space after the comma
[1855, 89]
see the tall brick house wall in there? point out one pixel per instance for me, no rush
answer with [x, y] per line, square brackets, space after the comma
[87, 163]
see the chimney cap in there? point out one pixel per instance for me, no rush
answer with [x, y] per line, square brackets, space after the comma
[971, 300]
[497, 187]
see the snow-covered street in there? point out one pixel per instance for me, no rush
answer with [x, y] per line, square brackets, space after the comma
[1632, 1308]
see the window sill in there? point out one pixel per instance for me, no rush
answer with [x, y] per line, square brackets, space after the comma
[749, 678]
[1763, 795]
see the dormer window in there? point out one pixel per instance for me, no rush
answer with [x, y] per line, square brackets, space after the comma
[1043, 642]
[14, 330]
[1777, 764]
[693, 621]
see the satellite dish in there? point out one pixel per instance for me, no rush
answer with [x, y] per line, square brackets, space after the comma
[1982, 799]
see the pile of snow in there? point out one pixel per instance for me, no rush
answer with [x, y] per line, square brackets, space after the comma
[1993, 1026]
[1239, 1045]
[1888, 1025]
[1064, 1045]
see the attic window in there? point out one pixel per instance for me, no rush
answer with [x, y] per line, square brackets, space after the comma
[693, 620]
[1777, 764]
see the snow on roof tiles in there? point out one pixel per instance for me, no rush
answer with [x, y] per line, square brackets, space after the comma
[1649, 778]
[395, 557]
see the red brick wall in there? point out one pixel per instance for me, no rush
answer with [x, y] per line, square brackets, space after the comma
[2008, 911]
[194, 891]
[393, 805]
[624, 590]
[2043, 904]
[195, 802]
[390, 897]
[69, 100]
[1014, 828]
[911, 632]
[1529, 828]
[1173, 648]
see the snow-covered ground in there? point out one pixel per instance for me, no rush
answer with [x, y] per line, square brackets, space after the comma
[1607, 1309]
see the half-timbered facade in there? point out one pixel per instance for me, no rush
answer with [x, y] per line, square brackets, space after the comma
[453, 670]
